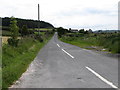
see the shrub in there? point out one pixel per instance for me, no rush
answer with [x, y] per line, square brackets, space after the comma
[39, 38]
[25, 31]
[14, 32]
[13, 42]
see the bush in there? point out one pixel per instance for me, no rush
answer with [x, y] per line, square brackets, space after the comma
[61, 31]
[39, 38]
[13, 42]
[24, 30]
[14, 33]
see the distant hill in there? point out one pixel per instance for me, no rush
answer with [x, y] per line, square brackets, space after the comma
[106, 31]
[30, 23]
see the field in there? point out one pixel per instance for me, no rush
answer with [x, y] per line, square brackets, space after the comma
[5, 38]
[42, 29]
[6, 33]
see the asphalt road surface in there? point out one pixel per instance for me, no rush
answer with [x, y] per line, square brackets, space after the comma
[61, 65]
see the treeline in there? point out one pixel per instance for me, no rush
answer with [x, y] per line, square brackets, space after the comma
[24, 32]
[65, 32]
[89, 40]
[29, 23]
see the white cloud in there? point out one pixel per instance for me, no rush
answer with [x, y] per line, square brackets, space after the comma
[95, 14]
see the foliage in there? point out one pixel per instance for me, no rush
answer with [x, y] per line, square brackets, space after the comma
[24, 31]
[16, 60]
[29, 23]
[14, 28]
[13, 42]
[81, 31]
[6, 33]
[110, 41]
[61, 31]
[39, 37]
[14, 33]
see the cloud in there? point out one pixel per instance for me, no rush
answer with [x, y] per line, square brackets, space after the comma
[96, 14]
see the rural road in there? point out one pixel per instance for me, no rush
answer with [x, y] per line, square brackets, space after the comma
[61, 65]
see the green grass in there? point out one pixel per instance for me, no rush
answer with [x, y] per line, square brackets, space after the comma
[78, 41]
[6, 33]
[43, 29]
[0, 76]
[15, 61]
[108, 41]
[41, 33]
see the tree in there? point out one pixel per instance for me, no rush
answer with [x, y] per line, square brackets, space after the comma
[14, 28]
[90, 31]
[81, 31]
[14, 32]
[61, 31]
[28, 22]
[99, 31]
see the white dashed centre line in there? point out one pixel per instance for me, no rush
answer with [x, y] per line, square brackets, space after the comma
[58, 45]
[103, 79]
[67, 53]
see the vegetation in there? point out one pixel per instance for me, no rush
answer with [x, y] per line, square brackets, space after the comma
[109, 41]
[29, 23]
[16, 58]
[0, 66]
[61, 31]
[14, 33]
[6, 33]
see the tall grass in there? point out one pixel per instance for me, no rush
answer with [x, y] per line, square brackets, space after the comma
[110, 41]
[16, 59]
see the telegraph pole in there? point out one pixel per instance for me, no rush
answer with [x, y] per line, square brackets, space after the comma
[38, 13]
[38, 19]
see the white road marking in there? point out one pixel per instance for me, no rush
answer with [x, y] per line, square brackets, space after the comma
[67, 53]
[58, 45]
[103, 79]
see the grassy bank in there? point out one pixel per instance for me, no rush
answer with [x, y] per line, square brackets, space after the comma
[109, 41]
[15, 60]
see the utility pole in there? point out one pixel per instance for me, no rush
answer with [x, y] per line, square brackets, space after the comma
[38, 19]
[38, 13]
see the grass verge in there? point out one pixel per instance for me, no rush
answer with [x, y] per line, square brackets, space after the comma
[15, 61]
[107, 42]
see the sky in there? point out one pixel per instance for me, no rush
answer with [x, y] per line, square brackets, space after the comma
[75, 14]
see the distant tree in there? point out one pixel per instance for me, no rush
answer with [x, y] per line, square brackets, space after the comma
[61, 31]
[69, 29]
[81, 31]
[28, 22]
[86, 32]
[90, 31]
[99, 31]
[53, 30]
[14, 32]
